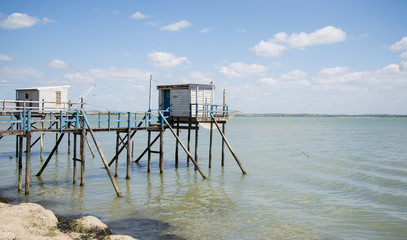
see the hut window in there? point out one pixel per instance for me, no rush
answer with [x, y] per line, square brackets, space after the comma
[27, 96]
[58, 97]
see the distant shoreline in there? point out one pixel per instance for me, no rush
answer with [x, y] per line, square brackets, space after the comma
[320, 115]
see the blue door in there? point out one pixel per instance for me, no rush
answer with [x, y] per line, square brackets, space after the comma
[167, 101]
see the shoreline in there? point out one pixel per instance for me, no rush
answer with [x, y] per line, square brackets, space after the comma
[32, 221]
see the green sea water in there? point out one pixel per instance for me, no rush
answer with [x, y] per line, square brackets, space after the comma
[307, 178]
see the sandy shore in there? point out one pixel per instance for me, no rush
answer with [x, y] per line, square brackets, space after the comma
[32, 221]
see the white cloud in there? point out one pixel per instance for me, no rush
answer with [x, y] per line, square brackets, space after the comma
[291, 80]
[326, 35]
[165, 60]
[274, 47]
[4, 57]
[269, 49]
[177, 26]
[19, 73]
[19, 20]
[139, 15]
[240, 70]
[400, 45]
[206, 30]
[57, 64]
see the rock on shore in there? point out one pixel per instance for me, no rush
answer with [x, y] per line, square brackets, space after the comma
[32, 221]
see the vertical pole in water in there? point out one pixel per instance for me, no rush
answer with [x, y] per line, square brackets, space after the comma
[20, 163]
[74, 158]
[210, 145]
[161, 151]
[149, 150]
[223, 129]
[83, 147]
[132, 149]
[117, 154]
[56, 137]
[189, 138]
[128, 154]
[27, 162]
[176, 145]
[196, 141]
[69, 134]
[42, 143]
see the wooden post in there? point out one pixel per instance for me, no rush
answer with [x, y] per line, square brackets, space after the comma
[149, 150]
[145, 150]
[183, 146]
[189, 138]
[230, 147]
[90, 148]
[176, 145]
[83, 147]
[128, 154]
[74, 158]
[56, 136]
[132, 149]
[102, 156]
[69, 143]
[20, 163]
[117, 152]
[210, 145]
[42, 144]
[223, 144]
[223, 128]
[27, 163]
[50, 155]
[161, 151]
[196, 141]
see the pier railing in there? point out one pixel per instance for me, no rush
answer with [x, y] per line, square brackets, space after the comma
[205, 110]
[27, 119]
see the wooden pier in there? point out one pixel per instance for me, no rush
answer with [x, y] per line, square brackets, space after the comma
[31, 123]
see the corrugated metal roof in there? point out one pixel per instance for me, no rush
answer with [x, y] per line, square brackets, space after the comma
[39, 88]
[186, 86]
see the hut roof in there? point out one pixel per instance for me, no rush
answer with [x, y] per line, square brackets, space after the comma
[186, 86]
[40, 88]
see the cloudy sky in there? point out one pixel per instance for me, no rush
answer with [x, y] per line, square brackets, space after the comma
[270, 56]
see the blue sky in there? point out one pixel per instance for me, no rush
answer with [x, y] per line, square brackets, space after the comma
[271, 56]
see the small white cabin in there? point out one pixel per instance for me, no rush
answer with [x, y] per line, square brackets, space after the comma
[43, 98]
[183, 99]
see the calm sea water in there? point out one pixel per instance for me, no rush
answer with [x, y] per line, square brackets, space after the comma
[308, 178]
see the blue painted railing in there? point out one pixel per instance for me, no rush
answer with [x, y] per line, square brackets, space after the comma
[204, 110]
[74, 120]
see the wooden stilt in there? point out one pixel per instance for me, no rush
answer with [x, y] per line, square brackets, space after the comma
[74, 158]
[196, 141]
[149, 150]
[230, 147]
[83, 155]
[27, 163]
[56, 137]
[161, 151]
[50, 155]
[146, 150]
[69, 143]
[210, 145]
[183, 146]
[117, 153]
[42, 144]
[176, 145]
[102, 156]
[90, 148]
[223, 144]
[20, 163]
[128, 154]
[132, 149]
[189, 138]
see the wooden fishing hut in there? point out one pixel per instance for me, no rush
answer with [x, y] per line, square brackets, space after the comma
[190, 105]
[43, 98]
